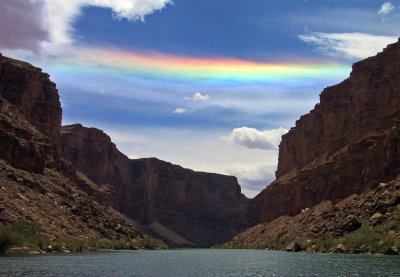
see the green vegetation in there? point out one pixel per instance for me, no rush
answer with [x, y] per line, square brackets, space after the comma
[366, 239]
[21, 234]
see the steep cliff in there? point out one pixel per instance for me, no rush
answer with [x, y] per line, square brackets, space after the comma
[349, 142]
[36, 184]
[181, 205]
[32, 92]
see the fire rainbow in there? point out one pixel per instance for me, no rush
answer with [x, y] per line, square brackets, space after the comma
[169, 67]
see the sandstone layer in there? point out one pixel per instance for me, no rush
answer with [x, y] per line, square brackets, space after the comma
[180, 205]
[349, 142]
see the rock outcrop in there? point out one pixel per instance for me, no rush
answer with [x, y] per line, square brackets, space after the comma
[349, 142]
[180, 205]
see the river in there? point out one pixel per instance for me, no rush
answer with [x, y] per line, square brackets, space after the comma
[199, 262]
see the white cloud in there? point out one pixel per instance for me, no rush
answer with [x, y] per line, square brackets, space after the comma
[254, 179]
[254, 169]
[199, 96]
[255, 139]
[386, 8]
[179, 110]
[348, 45]
[48, 23]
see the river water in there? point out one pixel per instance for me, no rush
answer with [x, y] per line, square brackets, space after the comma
[200, 262]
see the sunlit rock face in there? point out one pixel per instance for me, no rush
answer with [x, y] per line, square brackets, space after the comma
[350, 141]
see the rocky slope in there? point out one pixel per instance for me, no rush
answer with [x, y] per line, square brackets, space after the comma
[180, 205]
[36, 184]
[349, 142]
[369, 222]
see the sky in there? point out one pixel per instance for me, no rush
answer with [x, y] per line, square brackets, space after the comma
[209, 85]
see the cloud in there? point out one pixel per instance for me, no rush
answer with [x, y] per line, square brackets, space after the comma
[47, 24]
[348, 45]
[253, 180]
[386, 8]
[179, 110]
[255, 139]
[20, 25]
[199, 96]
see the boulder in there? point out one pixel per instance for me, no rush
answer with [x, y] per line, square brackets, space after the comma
[376, 219]
[392, 251]
[293, 247]
[340, 248]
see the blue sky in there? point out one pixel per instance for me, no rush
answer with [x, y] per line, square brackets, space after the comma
[209, 85]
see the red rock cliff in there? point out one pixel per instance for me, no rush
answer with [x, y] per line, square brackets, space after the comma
[199, 208]
[32, 92]
[36, 185]
[30, 117]
[347, 143]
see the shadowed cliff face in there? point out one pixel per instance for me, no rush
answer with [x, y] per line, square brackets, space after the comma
[32, 92]
[30, 116]
[181, 205]
[347, 143]
[36, 185]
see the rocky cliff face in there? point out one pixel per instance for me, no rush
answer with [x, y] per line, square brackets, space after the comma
[181, 205]
[35, 183]
[32, 92]
[30, 114]
[350, 141]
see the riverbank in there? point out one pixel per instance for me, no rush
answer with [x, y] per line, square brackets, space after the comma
[25, 238]
[365, 223]
[380, 239]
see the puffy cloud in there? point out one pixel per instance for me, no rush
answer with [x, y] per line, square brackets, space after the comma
[47, 24]
[255, 139]
[253, 180]
[199, 96]
[130, 9]
[348, 45]
[179, 110]
[386, 8]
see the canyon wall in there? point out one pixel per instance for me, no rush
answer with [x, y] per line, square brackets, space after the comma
[36, 185]
[180, 205]
[32, 92]
[349, 142]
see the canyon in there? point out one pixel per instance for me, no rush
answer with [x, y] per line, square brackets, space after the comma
[338, 170]
[87, 187]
